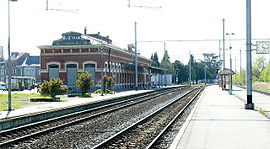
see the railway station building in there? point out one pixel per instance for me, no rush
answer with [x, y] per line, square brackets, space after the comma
[76, 52]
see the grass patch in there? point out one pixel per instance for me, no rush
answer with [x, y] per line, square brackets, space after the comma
[18, 100]
[262, 88]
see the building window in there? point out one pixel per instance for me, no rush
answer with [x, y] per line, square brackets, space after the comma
[53, 71]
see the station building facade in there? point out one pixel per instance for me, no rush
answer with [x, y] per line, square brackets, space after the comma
[76, 52]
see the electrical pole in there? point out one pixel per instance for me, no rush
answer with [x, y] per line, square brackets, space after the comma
[240, 61]
[165, 60]
[9, 69]
[136, 59]
[235, 63]
[230, 85]
[189, 68]
[223, 43]
[220, 66]
[222, 78]
[249, 104]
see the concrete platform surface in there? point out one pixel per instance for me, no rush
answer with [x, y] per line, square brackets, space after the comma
[70, 101]
[219, 121]
[261, 101]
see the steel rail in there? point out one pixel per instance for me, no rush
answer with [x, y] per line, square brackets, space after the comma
[25, 137]
[175, 99]
[173, 120]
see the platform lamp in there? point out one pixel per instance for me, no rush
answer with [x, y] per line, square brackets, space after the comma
[9, 59]
[230, 85]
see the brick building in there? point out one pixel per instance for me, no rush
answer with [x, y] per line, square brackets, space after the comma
[96, 54]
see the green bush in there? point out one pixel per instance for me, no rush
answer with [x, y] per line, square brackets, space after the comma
[240, 78]
[265, 74]
[108, 82]
[99, 91]
[53, 88]
[84, 81]
[86, 95]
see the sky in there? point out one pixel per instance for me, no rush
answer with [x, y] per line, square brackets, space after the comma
[184, 21]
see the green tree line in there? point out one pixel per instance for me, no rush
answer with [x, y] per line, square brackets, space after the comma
[180, 71]
[260, 72]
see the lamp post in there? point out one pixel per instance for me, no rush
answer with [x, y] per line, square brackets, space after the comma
[101, 50]
[230, 85]
[189, 69]
[136, 58]
[9, 59]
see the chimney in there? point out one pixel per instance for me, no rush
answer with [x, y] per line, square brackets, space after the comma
[130, 46]
[85, 30]
[15, 54]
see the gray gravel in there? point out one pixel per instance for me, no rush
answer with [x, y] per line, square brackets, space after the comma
[89, 133]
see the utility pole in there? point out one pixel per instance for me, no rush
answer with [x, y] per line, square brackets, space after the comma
[249, 104]
[189, 67]
[240, 61]
[223, 21]
[230, 77]
[165, 60]
[235, 63]
[220, 67]
[230, 85]
[136, 59]
[222, 78]
[9, 69]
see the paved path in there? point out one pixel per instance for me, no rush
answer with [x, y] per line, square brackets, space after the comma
[221, 122]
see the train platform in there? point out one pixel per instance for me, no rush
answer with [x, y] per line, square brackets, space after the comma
[219, 120]
[69, 101]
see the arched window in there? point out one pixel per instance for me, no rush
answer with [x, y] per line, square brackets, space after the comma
[91, 69]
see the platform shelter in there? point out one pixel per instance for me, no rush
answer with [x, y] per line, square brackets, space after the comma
[225, 76]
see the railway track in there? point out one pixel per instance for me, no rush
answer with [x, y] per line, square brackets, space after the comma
[146, 133]
[13, 136]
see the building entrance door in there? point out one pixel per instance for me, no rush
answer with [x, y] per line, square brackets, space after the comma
[71, 75]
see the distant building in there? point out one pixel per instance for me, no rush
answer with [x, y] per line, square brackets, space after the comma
[96, 54]
[30, 68]
[2, 65]
[1, 54]
[2, 71]
[23, 68]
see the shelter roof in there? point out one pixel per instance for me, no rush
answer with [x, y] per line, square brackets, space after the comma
[226, 71]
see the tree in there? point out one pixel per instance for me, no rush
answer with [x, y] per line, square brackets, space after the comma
[199, 69]
[265, 74]
[212, 63]
[84, 81]
[191, 64]
[257, 67]
[240, 78]
[155, 61]
[181, 72]
[166, 63]
[53, 87]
